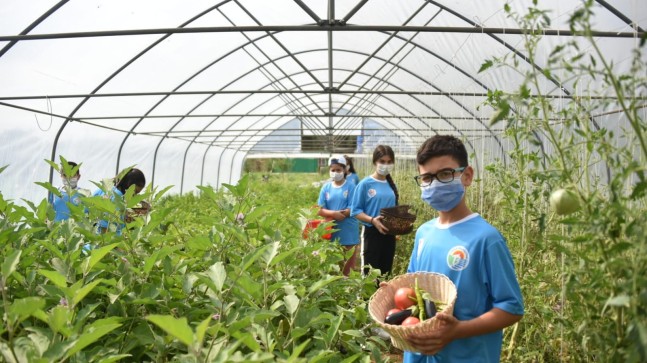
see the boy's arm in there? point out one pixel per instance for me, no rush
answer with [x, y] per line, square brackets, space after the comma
[451, 328]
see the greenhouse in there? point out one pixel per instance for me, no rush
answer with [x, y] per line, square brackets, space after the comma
[219, 126]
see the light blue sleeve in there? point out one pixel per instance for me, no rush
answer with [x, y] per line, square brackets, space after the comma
[357, 203]
[501, 278]
[322, 196]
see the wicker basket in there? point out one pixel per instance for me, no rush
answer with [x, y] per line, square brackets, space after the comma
[398, 219]
[439, 286]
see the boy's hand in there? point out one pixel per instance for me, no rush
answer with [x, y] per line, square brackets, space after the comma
[432, 342]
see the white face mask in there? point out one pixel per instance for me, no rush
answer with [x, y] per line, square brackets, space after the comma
[336, 176]
[384, 169]
[71, 182]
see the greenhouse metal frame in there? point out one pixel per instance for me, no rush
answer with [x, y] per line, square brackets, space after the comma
[405, 80]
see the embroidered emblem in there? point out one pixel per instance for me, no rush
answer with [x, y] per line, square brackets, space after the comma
[371, 193]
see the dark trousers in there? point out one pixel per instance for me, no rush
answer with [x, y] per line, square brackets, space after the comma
[379, 250]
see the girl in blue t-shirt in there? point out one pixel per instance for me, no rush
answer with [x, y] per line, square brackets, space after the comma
[373, 193]
[133, 178]
[334, 203]
[351, 174]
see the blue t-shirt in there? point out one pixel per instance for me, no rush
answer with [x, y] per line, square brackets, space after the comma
[61, 208]
[371, 195]
[474, 255]
[352, 177]
[104, 223]
[338, 198]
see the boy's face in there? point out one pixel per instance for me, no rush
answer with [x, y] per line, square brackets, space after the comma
[446, 162]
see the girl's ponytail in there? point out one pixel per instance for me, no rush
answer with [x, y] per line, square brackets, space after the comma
[389, 179]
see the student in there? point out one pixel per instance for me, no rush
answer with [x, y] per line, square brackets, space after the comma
[351, 174]
[473, 254]
[334, 203]
[373, 193]
[133, 178]
[70, 193]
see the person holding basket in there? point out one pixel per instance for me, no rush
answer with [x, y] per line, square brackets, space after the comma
[373, 193]
[468, 250]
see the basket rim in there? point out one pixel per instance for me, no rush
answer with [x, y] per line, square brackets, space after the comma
[411, 276]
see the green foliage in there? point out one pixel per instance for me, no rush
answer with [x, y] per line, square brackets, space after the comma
[220, 276]
[583, 275]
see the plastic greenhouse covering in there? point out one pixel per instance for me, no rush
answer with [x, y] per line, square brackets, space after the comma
[187, 90]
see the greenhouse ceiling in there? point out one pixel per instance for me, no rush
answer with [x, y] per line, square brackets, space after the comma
[186, 90]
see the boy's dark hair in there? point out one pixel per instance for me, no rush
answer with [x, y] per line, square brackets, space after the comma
[349, 163]
[442, 145]
[133, 177]
[385, 150]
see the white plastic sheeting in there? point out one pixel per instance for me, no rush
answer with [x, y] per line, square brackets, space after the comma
[109, 84]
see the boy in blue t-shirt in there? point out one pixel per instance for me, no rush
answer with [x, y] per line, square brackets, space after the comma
[334, 202]
[473, 254]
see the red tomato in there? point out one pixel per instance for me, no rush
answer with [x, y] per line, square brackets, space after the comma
[393, 311]
[412, 320]
[404, 297]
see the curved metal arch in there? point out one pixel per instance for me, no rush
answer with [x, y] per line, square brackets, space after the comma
[536, 66]
[272, 60]
[388, 125]
[188, 79]
[412, 128]
[33, 25]
[115, 73]
[313, 50]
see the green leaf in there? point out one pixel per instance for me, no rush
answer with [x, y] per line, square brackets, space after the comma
[291, 303]
[201, 330]
[321, 283]
[297, 351]
[114, 358]
[500, 114]
[177, 328]
[84, 291]
[199, 243]
[58, 318]
[95, 256]
[55, 277]
[217, 274]
[270, 253]
[487, 64]
[619, 301]
[92, 334]
[353, 333]
[10, 263]
[50, 188]
[27, 306]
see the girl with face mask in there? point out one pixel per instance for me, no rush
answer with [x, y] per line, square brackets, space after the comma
[373, 193]
[472, 253]
[334, 204]
[351, 174]
[69, 193]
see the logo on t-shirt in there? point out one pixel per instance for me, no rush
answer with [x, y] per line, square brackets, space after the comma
[458, 258]
[345, 194]
[371, 193]
[327, 196]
